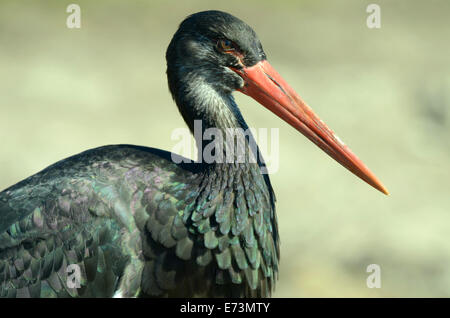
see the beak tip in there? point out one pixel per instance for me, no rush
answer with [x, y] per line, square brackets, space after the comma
[380, 187]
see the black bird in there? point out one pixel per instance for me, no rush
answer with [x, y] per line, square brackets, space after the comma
[128, 221]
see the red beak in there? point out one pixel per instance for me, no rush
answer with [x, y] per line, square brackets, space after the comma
[267, 87]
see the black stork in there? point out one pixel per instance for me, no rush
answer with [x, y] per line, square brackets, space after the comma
[127, 221]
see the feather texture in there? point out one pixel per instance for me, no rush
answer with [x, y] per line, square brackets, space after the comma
[132, 221]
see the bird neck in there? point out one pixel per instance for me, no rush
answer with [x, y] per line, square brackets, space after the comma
[234, 198]
[222, 136]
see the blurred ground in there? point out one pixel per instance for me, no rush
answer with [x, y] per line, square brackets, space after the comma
[386, 92]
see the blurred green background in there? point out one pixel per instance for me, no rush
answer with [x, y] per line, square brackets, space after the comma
[386, 92]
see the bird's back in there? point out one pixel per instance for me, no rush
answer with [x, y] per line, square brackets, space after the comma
[127, 221]
[82, 215]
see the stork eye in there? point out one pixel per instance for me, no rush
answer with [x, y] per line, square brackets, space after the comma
[225, 45]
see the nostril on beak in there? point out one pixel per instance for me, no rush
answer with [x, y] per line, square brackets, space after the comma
[276, 83]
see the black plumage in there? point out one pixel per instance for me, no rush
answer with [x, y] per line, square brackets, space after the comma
[136, 223]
